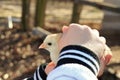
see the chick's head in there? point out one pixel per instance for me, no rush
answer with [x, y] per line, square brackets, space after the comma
[51, 44]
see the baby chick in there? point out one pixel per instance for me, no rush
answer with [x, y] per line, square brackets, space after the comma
[51, 44]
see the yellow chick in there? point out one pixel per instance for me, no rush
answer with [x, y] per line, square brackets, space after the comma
[51, 44]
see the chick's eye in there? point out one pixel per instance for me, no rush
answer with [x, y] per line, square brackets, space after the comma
[49, 44]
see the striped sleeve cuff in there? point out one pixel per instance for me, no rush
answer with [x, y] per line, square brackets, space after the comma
[79, 55]
[39, 73]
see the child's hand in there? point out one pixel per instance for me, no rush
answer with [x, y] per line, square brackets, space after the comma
[82, 35]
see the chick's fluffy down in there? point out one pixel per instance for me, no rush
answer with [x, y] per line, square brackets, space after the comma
[51, 44]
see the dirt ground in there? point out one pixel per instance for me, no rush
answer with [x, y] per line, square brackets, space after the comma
[19, 53]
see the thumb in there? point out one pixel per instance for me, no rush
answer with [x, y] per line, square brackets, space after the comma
[49, 67]
[105, 59]
[65, 29]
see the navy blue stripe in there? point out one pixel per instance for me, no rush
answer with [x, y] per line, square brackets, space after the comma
[42, 71]
[79, 55]
[71, 60]
[36, 75]
[82, 49]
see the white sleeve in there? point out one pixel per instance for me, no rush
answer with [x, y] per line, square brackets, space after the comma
[64, 78]
[71, 72]
[75, 63]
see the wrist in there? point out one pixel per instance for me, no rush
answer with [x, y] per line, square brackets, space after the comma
[79, 55]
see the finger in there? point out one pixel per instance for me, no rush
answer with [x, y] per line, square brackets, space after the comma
[51, 64]
[108, 58]
[107, 54]
[103, 39]
[102, 66]
[49, 67]
[93, 30]
[105, 59]
[96, 32]
[76, 26]
[65, 29]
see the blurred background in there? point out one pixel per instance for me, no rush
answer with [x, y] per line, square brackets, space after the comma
[25, 23]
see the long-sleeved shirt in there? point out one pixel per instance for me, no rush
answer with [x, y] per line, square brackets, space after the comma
[75, 63]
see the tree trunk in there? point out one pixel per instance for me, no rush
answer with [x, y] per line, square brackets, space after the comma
[25, 14]
[77, 9]
[40, 13]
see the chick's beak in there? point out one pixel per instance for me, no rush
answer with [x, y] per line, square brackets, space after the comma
[42, 46]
